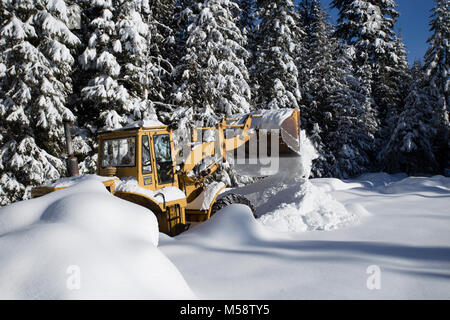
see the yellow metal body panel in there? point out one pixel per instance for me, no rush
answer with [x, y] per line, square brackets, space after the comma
[164, 212]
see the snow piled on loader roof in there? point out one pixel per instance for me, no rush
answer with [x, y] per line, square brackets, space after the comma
[84, 243]
[147, 123]
[144, 124]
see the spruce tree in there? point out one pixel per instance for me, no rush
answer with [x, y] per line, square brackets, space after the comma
[246, 20]
[35, 68]
[337, 114]
[277, 45]
[103, 93]
[380, 61]
[437, 69]
[213, 75]
[122, 75]
[410, 146]
[162, 56]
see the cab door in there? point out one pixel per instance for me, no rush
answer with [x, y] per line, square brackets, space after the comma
[148, 177]
[164, 164]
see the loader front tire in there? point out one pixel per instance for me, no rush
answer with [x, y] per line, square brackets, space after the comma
[229, 199]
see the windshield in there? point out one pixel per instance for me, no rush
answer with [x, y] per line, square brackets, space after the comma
[119, 152]
[163, 155]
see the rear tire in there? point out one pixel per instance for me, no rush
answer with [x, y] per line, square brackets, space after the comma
[229, 199]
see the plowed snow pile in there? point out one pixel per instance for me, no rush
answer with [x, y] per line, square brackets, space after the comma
[304, 207]
[289, 202]
[83, 243]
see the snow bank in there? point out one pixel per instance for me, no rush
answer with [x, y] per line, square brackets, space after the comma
[289, 202]
[400, 183]
[304, 207]
[232, 225]
[70, 181]
[437, 184]
[379, 179]
[334, 184]
[84, 243]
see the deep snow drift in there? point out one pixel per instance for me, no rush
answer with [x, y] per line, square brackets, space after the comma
[83, 243]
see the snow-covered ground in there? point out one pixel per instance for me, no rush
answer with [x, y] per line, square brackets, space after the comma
[390, 232]
[402, 231]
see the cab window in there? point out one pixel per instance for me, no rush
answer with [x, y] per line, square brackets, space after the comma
[163, 157]
[146, 160]
[119, 152]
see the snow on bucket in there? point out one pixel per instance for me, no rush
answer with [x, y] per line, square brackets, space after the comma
[273, 145]
[285, 123]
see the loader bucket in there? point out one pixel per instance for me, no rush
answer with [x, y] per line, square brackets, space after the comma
[285, 123]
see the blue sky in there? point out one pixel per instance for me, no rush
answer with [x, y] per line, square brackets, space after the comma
[413, 23]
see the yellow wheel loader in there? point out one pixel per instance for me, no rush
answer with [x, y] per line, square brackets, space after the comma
[140, 163]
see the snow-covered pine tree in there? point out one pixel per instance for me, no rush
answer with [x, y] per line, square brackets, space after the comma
[437, 68]
[246, 20]
[368, 25]
[352, 131]
[104, 96]
[163, 11]
[124, 58]
[321, 47]
[214, 75]
[163, 56]
[277, 45]
[122, 72]
[140, 71]
[317, 70]
[96, 79]
[402, 74]
[410, 147]
[35, 67]
[336, 113]
[181, 113]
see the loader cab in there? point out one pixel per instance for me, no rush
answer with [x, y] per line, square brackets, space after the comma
[144, 153]
[157, 166]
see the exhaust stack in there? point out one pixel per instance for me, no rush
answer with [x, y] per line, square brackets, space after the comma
[71, 161]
